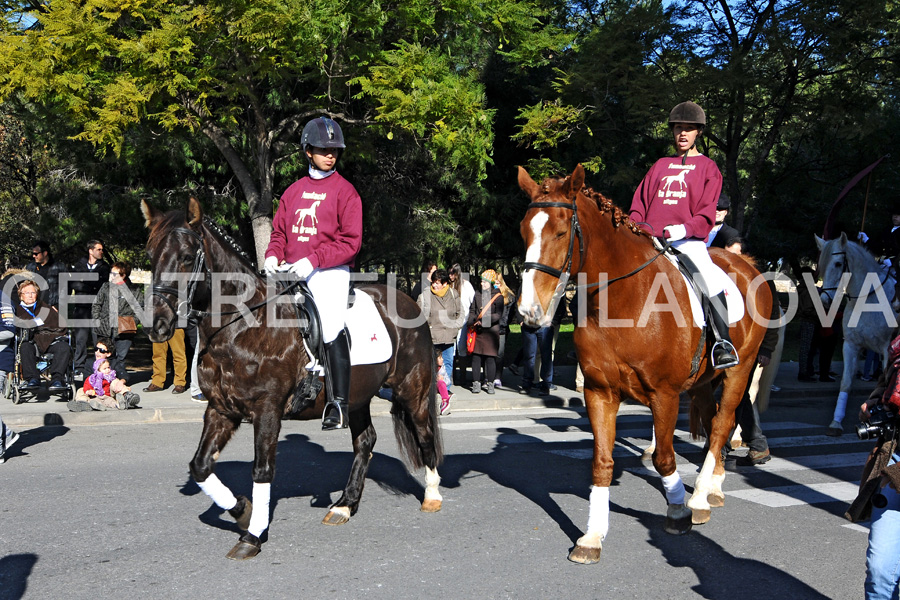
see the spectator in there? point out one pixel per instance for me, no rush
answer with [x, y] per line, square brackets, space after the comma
[192, 337]
[8, 437]
[443, 382]
[466, 295]
[41, 332]
[114, 301]
[161, 350]
[45, 266]
[539, 357]
[484, 316]
[722, 234]
[886, 244]
[736, 245]
[534, 340]
[509, 306]
[428, 268]
[94, 272]
[103, 391]
[443, 310]
[809, 323]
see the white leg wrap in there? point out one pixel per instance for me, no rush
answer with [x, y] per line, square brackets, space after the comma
[674, 488]
[259, 520]
[216, 490]
[432, 481]
[840, 409]
[598, 517]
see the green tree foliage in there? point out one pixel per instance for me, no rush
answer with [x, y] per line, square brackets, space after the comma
[248, 74]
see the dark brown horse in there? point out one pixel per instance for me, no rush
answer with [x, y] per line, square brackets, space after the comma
[250, 368]
[633, 344]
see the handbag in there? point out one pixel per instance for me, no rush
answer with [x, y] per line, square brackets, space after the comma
[472, 332]
[127, 325]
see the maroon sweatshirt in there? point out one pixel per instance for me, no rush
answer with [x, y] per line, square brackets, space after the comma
[673, 194]
[319, 219]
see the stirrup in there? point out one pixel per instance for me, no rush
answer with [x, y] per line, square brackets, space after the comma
[334, 415]
[727, 354]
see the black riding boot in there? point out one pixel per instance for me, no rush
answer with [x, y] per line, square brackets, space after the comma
[724, 354]
[336, 412]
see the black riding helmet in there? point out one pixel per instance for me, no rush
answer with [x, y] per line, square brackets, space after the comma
[691, 113]
[322, 133]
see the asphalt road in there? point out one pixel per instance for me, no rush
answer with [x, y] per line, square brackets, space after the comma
[94, 511]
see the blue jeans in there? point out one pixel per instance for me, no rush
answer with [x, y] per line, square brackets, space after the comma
[883, 555]
[448, 352]
[534, 340]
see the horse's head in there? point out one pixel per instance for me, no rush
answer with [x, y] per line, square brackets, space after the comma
[833, 263]
[549, 230]
[176, 251]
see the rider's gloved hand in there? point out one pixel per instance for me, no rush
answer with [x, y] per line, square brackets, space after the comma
[674, 232]
[302, 268]
[887, 263]
[271, 265]
[862, 237]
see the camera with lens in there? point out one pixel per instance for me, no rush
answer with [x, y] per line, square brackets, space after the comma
[882, 424]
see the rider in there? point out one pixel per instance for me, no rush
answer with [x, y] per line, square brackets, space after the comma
[321, 245]
[677, 200]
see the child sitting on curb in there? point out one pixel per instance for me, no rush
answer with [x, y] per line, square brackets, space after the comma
[103, 391]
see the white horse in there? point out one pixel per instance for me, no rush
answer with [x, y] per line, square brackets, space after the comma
[308, 212]
[849, 270]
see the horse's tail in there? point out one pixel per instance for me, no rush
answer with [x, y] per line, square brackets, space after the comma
[405, 430]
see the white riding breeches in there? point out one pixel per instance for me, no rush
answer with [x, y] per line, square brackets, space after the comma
[696, 250]
[330, 288]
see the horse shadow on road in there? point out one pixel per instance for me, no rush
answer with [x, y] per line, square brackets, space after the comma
[715, 567]
[306, 469]
[32, 437]
[15, 569]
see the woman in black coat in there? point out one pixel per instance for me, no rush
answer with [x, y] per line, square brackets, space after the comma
[484, 316]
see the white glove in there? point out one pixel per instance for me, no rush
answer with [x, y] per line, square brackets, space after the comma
[302, 268]
[271, 265]
[862, 237]
[676, 232]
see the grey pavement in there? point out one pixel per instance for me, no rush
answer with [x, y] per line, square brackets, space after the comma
[165, 407]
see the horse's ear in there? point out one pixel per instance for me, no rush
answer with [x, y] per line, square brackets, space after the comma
[843, 238]
[151, 215]
[527, 183]
[576, 181]
[820, 243]
[194, 213]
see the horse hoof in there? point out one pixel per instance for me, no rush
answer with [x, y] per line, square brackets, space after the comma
[337, 516]
[431, 506]
[248, 547]
[241, 512]
[678, 519]
[700, 516]
[716, 500]
[585, 555]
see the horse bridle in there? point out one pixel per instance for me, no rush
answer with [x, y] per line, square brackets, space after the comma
[845, 269]
[184, 308]
[575, 231]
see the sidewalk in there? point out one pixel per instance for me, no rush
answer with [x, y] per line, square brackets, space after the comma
[165, 407]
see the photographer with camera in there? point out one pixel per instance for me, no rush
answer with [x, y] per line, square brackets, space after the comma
[880, 481]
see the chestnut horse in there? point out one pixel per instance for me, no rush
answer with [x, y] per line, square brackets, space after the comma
[632, 346]
[251, 365]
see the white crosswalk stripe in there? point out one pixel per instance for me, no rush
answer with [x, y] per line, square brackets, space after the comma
[798, 449]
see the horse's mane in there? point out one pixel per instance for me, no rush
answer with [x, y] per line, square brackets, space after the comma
[177, 218]
[619, 217]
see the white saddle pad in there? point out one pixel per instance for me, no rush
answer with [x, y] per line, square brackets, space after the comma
[369, 339]
[733, 297]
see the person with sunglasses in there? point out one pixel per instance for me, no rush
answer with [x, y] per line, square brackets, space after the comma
[48, 268]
